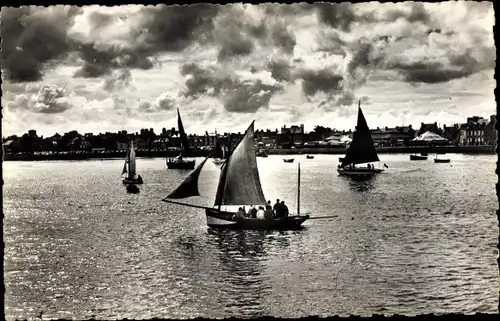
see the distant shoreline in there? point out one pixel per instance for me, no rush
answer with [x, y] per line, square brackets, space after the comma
[293, 151]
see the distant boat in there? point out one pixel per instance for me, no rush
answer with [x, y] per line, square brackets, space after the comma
[441, 160]
[288, 160]
[360, 151]
[416, 157]
[220, 153]
[310, 157]
[179, 162]
[129, 167]
[239, 186]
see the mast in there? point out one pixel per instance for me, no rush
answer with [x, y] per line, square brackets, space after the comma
[298, 190]
[131, 160]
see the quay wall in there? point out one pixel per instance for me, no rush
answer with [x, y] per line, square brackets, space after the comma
[203, 153]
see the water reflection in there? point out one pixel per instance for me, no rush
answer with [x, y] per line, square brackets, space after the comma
[361, 184]
[241, 254]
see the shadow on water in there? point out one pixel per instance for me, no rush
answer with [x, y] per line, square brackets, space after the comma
[361, 184]
[132, 189]
[241, 254]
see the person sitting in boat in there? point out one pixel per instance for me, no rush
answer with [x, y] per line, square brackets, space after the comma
[240, 213]
[261, 213]
[268, 213]
[276, 207]
[253, 214]
[284, 209]
[139, 179]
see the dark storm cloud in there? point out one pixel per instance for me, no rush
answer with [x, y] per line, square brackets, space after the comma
[323, 80]
[31, 37]
[162, 28]
[235, 45]
[236, 35]
[242, 96]
[431, 72]
[339, 16]
[281, 70]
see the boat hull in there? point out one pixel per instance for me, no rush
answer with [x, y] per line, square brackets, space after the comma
[288, 160]
[417, 157]
[359, 172]
[131, 181]
[184, 164]
[441, 160]
[226, 220]
[309, 157]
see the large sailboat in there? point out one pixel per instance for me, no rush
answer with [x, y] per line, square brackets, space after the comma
[360, 151]
[239, 186]
[129, 167]
[179, 162]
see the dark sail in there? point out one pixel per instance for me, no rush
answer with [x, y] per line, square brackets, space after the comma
[239, 182]
[218, 152]
[182, 135]
[361, 149]
[189, 187]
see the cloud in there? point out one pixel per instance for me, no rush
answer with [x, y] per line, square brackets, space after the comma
[31, 37]
[119, 79]
[323, 80]
[50, 99]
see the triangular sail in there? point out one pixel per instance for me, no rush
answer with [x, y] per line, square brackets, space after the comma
[182, 135]
[131, 161]
[362, 149]
[239, 182]
[189, 187]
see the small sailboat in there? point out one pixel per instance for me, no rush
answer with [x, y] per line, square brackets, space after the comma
[220, 153]
[441, 160]
[360, 151]
[288, 160]
[415, 157]
[239, 186]
[309, 156]
[129, 167]
[179, 162]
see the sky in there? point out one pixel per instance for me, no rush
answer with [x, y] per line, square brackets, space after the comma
[98, 69]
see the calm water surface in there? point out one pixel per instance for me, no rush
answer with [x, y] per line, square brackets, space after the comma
[419, 238]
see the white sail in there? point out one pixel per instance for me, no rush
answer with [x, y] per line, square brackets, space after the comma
[131, 161]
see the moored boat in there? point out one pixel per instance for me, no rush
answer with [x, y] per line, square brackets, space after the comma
[288, 160]
[310, 157]
[129, 167]
[360, 151]
[179, 162]
[417, 157]
[239, 186]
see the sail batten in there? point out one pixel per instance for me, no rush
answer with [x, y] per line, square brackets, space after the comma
[239, 179]
[189, 187]
[362, 149]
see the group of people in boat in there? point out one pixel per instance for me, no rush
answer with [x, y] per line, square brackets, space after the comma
[267, 212]
[351, 167]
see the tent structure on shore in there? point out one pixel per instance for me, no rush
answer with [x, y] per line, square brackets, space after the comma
[430, 138]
